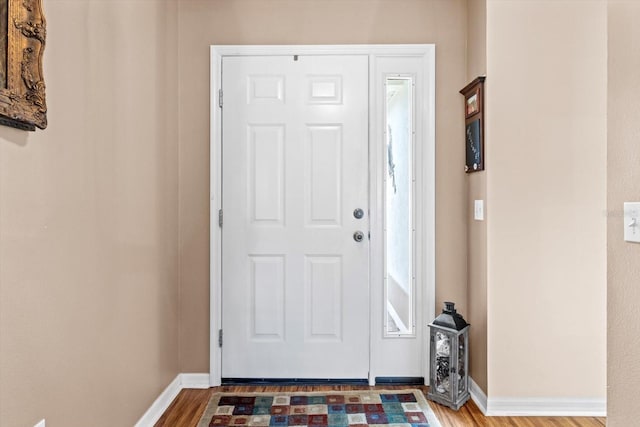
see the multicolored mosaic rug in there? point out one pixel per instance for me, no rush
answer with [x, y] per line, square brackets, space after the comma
[398, 408]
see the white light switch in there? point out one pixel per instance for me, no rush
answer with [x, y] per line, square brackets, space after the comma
[478, 210]
[632, 222]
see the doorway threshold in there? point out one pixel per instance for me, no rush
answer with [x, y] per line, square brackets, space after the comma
[400, 380]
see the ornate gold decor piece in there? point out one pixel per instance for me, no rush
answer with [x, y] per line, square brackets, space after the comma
[23, 31]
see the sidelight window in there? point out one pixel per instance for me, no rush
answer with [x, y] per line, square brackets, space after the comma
[399, 228]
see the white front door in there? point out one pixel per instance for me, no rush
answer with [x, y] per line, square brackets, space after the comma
[295, 282]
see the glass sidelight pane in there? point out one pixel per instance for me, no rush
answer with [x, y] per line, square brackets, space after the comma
[398, 219]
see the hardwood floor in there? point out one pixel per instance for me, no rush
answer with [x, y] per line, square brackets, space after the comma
[186, 409]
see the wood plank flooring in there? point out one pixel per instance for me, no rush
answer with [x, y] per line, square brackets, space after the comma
[188, 406]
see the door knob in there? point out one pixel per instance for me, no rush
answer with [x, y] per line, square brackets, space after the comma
[358, 213]
[358, 236]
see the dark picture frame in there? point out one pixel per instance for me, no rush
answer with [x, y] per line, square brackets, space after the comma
[23, 32]
[474, 125]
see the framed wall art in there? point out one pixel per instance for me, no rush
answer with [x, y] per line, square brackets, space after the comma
[474, 125]
[22, 39]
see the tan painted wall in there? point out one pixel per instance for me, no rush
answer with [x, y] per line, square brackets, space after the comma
[546, 194]
[477, 190]
[88, 223]
[204, 22]
[623, 156]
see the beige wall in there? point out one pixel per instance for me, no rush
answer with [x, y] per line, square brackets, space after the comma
[88, 223]
[204, 23]
[477, 190]
[546, 194]
[623, 156]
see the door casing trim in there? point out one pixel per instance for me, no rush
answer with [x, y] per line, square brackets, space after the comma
[426, 240]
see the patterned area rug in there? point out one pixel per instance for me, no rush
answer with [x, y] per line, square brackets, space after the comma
[398, 408]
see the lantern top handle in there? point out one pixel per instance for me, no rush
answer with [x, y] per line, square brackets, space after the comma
[450, 318]
[449, 307]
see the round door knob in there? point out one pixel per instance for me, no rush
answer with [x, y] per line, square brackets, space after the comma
[358, 213]
[358, 236]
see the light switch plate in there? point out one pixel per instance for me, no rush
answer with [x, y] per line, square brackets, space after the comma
[632, 222]
[478, 210]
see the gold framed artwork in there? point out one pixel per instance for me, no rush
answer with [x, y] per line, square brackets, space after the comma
[474, 125]
[23, 32]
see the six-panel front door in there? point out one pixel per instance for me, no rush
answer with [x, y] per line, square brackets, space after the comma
[295, 278]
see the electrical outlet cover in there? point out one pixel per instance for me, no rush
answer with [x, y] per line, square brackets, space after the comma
[632, 222]
[478, 210]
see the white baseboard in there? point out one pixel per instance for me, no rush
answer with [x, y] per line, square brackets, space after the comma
[536, 407]
[550, 407]
[195, 380]
[163, 401]
[478, 396]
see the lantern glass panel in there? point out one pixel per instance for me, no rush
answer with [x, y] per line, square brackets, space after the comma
[443, 363]
[462, 365]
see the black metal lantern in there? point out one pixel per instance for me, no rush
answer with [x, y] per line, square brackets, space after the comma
[448, 376]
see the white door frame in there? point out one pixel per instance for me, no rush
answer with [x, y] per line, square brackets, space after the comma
[425, 219]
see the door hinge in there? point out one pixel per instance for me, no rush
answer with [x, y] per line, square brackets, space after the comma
[220, 218]
[220, 338]
[220, 98]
